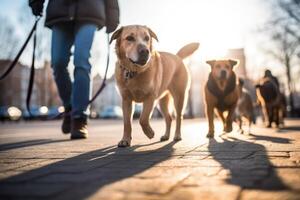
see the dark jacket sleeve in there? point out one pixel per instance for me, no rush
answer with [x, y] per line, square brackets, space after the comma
[112, 15]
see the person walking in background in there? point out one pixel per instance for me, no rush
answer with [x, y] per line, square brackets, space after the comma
[268, 74]
[74, 22]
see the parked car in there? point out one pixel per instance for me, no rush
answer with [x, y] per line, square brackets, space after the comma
[111, 112]
[10, 113]
[138, 108]
[37, 112]
[54, 112]
[93, 114]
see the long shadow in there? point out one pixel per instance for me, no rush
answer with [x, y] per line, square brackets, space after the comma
[289, 128]
[246, 163]
[81, 176]
[271, 139]
[28, 143]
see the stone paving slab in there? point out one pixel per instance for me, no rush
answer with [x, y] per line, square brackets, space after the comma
[38, 162]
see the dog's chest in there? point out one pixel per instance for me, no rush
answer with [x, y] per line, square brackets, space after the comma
[139, 91]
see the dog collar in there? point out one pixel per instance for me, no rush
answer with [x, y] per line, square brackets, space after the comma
[128, 74]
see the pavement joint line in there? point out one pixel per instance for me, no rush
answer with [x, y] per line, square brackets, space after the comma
[14, 169]
[251, 154]
[178, 184]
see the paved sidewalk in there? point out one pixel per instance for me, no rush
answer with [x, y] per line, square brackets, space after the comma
[38, 162]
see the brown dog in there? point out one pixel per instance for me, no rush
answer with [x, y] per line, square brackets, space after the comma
[244, 108]
[145, 75]
[221, 93]
[271, 100]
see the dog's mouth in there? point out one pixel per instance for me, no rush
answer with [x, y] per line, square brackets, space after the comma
[140, 62]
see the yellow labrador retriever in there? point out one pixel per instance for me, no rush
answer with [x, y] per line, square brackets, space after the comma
[145, 75]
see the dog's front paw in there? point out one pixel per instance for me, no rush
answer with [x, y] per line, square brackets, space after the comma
[164, 138]
[177, 138]
[210, 134]
[149, 132]
[124, 143]
[228, 128]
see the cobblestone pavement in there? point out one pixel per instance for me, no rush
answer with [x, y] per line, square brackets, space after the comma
[38, 162]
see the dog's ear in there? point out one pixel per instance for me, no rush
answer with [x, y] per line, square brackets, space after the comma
[233, 62]
[211, 62]
[116, 35]
[152, 34]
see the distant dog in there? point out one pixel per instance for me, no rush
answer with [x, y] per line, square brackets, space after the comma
[221, 93]
[244, 109]
[271, 100]
[145, 75]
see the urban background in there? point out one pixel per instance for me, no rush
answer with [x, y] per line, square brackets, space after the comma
[273, 43]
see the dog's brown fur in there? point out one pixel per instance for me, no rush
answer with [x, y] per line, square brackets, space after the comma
[162, 77]
[229, 101]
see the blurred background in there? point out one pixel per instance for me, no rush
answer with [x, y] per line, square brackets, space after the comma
[262, 34]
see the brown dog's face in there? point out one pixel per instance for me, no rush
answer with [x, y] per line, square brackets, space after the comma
[134, 43]
[222, 69]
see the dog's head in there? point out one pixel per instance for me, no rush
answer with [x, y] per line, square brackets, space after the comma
[134, 45]
[222, 69]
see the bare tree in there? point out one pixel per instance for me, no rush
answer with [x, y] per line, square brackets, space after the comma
[25, 22]
[9, 41]
[284, 33]
[291, 16]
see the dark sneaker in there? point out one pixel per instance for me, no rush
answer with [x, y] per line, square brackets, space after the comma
[66, 125]
[79, 128]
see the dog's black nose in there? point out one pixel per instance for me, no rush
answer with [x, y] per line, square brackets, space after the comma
[143, 52]
[223, 74]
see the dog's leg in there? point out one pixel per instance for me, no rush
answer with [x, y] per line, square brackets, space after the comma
[269, 112]
[210, 116]
[179, 102]
[164, 108]
[240, 124]
[276, 116]
[221, 115]
[148, 106]
[266, 115]
[249, 127]
[127, 106]
[229, 119]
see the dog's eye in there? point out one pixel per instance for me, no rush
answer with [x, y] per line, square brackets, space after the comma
[130, 38]
[147, 38]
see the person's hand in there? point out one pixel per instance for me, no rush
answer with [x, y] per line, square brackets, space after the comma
[37, 7]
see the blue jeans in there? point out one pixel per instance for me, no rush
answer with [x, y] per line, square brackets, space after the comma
[74, 95]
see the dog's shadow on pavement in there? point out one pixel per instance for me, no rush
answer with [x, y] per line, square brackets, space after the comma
[82, 176]
[272, 139]
[246, 163]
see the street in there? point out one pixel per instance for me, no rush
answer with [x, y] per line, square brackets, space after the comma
[38, 162]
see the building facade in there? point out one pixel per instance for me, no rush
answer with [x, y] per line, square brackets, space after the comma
[15, 86]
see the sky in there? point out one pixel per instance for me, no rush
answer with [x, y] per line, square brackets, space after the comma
[216, 24]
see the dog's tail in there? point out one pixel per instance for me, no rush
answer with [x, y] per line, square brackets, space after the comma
[188, 50]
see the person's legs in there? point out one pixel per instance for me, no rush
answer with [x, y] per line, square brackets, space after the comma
[81, 88]
[62, 41]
